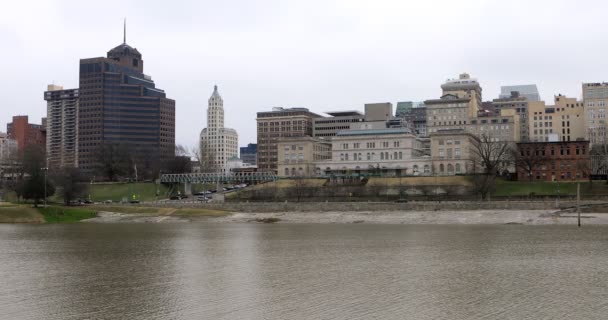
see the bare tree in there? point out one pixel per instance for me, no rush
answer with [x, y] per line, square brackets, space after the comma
[600, 154]
[491, 155]
[206, 158]
[528, 157]
[180, 162]
[114, 160]
[301, 187]
[71, 184]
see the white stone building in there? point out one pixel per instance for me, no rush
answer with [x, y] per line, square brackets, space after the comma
[217, 143]
[389, 151]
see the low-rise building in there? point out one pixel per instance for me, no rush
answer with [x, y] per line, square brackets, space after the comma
[554, 161]
[26, 133]
[234, 164]
[298, 155]
[280, 123]
[249, 153]
[388, 151]
[451, 152]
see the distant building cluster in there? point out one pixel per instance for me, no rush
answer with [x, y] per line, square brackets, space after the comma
[117, 111]
[438, 136]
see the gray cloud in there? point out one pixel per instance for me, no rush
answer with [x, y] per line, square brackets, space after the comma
[324, 55]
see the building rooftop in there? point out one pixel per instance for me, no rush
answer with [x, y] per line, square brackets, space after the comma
[344, 113]
[372, 132]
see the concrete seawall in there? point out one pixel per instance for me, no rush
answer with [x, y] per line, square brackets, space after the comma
[376, 206]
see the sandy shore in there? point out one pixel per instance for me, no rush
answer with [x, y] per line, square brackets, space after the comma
[533, 217]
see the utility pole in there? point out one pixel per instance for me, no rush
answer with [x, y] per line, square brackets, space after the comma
[578, 200]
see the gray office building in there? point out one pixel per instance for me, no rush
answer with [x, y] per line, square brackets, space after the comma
[528, 91]
[337, 121]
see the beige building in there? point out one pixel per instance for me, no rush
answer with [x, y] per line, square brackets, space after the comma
[563, 121]
[595, 98]
[448, 113]
[459, 103]
[388, 151]
[378, 111]
[276, 124]
[503, 127]
[451, 152]
[297, 156]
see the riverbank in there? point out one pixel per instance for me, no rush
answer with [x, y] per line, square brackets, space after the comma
[531, 217]
[18, 213]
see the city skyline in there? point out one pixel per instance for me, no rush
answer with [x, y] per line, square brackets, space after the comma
[272, 61]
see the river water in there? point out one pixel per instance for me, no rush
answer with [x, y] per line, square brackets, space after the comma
[251, 271]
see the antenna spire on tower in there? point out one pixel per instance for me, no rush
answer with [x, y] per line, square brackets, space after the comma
[124, 35]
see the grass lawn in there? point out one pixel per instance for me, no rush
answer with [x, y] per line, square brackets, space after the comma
[524, 188]
[117, 191]
[19, 214]
[420, 181]
[66, 214]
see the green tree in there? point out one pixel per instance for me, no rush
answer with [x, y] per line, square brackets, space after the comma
[33, 187]
[30, 179]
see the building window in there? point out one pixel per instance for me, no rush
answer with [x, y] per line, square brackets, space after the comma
[458, 170]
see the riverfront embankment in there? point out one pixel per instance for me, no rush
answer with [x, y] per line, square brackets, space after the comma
[525, 217]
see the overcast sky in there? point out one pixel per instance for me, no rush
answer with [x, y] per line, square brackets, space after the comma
[324, 55]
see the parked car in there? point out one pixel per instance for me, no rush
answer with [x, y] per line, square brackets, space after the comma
[134, 201]
[175, 197]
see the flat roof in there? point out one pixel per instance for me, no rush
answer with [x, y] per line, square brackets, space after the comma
[346, 113]
[371, 132]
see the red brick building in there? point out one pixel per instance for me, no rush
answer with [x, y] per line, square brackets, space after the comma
[553, 161]
[27, 133]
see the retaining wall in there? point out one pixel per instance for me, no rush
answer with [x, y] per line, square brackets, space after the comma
[376, 206]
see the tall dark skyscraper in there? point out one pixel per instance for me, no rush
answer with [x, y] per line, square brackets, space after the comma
[121, 106]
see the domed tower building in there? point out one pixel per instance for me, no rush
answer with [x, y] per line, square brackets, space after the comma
[217, 143]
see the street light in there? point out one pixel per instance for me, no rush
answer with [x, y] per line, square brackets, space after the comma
[46, 169]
